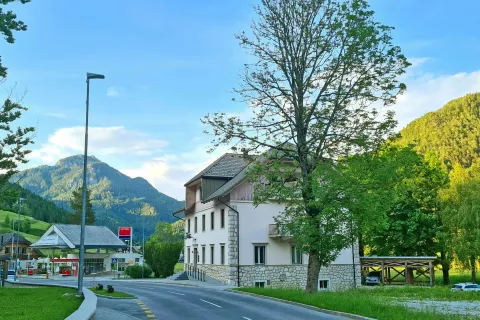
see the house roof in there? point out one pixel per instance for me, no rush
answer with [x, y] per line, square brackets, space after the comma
[6, 238]
[68, 236]
[229, 186]
[227, 166]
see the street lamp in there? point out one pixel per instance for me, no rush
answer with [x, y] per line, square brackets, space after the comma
[84, 195]
[17, 256]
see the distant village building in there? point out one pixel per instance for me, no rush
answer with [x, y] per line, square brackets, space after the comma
[239, 244]
[26, 255]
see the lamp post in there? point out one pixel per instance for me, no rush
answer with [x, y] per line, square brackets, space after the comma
[143, 247]
[17, 256]
[84, 195]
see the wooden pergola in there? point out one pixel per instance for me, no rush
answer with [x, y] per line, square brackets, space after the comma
[399, 266]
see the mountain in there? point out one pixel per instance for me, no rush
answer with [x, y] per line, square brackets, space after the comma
[117, 199]
[452, 133]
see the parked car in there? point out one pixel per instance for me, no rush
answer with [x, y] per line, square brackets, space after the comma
[374, 278]
[465, 287]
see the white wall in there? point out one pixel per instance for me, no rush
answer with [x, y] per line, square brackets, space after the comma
[254, 227]
[208, 237]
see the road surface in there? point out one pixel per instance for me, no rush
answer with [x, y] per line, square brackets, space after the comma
[162, 301]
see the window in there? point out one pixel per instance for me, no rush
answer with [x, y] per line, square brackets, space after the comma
[195, 225]
[259, 254]
[222, 254]
[323, 284]
[137, 260]
[212, 220]
[297, 256]
[188, 254]
[222, 218]
[212, 251]
[203, 254]
[188, 224]
[7, 249]
[24, 250]
[203, 223]
[260, 284]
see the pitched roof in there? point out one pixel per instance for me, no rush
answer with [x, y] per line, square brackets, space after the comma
[229, 186]
[68, 235]
[6, 238]
[227, 166]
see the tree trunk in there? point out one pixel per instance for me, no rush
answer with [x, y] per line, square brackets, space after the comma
[313, 270]
[445, 268]
[474, 269]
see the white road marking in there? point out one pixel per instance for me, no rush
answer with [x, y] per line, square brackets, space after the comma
[180, 294]
[246, 318]
[213, 304]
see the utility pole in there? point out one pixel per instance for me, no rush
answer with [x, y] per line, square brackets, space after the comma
[17, 256]
[143, 246]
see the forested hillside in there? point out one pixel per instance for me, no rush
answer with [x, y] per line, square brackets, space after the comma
[117, 199]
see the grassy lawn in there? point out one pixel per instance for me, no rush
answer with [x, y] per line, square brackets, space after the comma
[178, 267]
[116, 294]
[38, 228]
[374, 302]
[37, 303]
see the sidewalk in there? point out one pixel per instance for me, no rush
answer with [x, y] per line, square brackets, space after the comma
[191, 283]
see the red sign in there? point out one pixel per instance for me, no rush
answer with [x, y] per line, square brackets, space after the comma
[125, 232]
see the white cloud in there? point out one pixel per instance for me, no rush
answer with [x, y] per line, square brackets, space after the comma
[426, 93]
[59, 115]
[169, 173]
[113, 92]
[101, 141]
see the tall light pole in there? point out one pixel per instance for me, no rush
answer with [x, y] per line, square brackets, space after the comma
[143, 247]
[84, 195]
[17, 256]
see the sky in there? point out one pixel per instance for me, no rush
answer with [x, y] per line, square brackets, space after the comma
[169, 63]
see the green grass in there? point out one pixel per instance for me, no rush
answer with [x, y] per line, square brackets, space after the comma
[374, 303]
[116, 294]
[37, 303]
[178, 267]
[38, 228]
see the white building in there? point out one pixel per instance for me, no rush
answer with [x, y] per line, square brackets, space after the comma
[238, 244]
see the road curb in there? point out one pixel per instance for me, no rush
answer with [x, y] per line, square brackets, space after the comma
[298, 304]
[109, 297]
[167, 283]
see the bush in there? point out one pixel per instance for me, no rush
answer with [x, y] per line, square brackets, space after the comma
[99, 287]
[163, 257]
[110, 289]
[136, 271]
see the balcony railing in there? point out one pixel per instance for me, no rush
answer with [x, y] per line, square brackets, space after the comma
[276, 231]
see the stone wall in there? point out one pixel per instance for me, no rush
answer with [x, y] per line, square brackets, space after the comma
[295, 276]
[215, 271]
[232, 254]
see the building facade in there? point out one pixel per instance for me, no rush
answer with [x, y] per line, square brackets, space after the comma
[238, 243]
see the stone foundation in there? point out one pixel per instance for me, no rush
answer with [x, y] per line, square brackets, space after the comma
[218, 272]
[340, 277]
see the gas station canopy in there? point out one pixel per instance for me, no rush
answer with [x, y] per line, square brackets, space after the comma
[67, 236]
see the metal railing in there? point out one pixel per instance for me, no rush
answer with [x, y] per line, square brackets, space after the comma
[275, 230]
[196, 273]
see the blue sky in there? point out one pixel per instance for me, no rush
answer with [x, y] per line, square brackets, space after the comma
[168, 63]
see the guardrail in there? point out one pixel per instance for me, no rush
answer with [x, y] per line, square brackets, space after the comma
[196, 273]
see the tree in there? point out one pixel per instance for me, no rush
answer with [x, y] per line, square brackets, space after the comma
[26, 225]
[321, 69]
[167, 232]
[14, 141]
[461, 203]
[162, 257]
[7, 221]
[76, 205]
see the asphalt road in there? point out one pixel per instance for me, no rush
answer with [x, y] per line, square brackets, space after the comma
[183, 302]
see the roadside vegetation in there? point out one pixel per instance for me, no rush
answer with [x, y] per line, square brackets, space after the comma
[378, 302]
[37, 303]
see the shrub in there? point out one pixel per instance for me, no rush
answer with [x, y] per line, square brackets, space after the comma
[136, 271]
[100, 287]
[163, 257]
[110, 289]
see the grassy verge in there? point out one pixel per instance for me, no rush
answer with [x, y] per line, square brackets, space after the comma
[374, 303]
[37, 303]
[178, 267]
[115, 294]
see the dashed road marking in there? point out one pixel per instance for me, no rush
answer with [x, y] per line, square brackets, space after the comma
[246, 318]
[213, 304]
[180, 294]
[147, 311]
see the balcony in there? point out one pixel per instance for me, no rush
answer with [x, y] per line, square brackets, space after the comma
[278, 232]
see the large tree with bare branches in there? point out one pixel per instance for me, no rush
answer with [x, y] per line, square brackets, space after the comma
[323, 70]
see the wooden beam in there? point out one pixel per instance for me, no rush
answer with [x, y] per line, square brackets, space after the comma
[430, 266]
